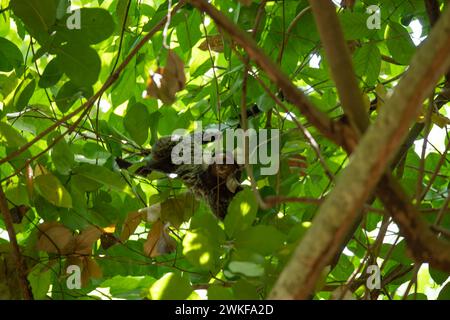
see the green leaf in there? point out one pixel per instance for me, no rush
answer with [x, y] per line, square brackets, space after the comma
[248, 269]
[51, 75]
[10, 136]
[241, 212]
[23, 94]
[69, 93]
[438, 276]
[256, 239]
[244, 290]
[170, 287]
[367, 62]
[102, 175]
[96, 26]
[216, 292]
[10, 56]
[63, 157]
[80, 63]
[40, 279]
[188, 31]
[444, 294]
[399, 43]
[354, 25]
[52, 190]
[265, 102]
[123, 90]
[200, 250]
[209, 225]
[127, 287]
[38, 15]
[137, 122]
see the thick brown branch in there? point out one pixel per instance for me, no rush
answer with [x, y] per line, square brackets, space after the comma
[340, 133]
[366, 167]
[423, 244]
[340, 62]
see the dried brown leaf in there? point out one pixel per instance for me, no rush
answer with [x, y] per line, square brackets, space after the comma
[86, 239]
[166, 82]
[55, 238]
[131, 223]
[158, 241]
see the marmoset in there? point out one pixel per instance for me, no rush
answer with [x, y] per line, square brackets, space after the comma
[215, 183]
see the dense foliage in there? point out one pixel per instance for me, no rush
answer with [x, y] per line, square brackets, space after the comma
[76, 100]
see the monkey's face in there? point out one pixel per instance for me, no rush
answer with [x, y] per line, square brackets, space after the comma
[224, 166]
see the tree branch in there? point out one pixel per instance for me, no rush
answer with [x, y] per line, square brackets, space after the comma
[366, 167]
[340, 132]
[340, 62]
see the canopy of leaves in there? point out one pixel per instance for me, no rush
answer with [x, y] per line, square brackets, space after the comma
[76, 96]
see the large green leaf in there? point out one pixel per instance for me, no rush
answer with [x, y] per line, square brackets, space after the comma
[103, 176]
[40, 279]
[10, 55]
[80, 63]
[241, 212]
[137, 122]
[51, 75]
[367, 62]
[256, 239]
[170, 287]
[354, 25]
[52, 190]
[63, 157]
[38, 15]
[399, 43]
[69, 93]
[23, 94]
[96, 25]
[201, 250]
[10, 136]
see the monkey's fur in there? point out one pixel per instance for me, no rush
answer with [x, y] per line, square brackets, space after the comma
[215, 183]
